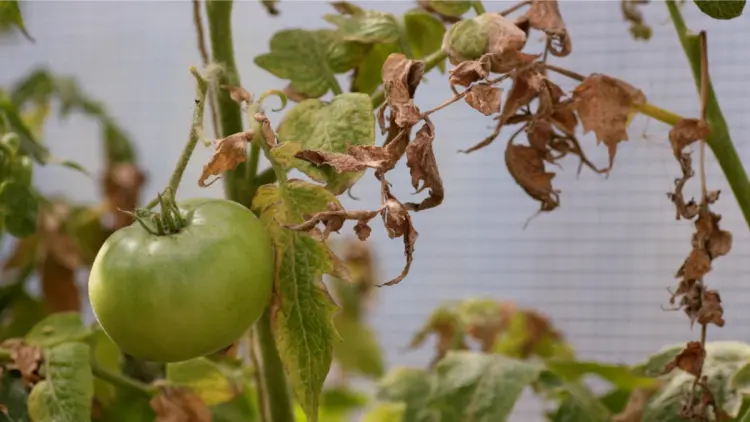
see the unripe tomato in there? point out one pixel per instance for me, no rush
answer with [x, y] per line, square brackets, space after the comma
[180, 296]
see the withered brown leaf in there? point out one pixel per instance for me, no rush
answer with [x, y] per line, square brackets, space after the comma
[238, 94]
[696, 265]
[605, 106]
[545, 16]
[122, 187]
[503, 35]
[689, 359]
[398, 224]
[26, 359]
[177, 405]
[485, 98]
[229, 153]
[401, 76]
[710, 237]
[341, 163]
[526, 86]
[527, 168]
[687, 131]
[266, 129]
[470, 71]
[711, 310]
[420, 159]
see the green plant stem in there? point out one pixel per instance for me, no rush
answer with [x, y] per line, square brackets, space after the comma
[196, 133]
[240, 186]
[478, 7]
[279, 405]
[430, 62]
[719, 141]
[237, 187]
[119, 380]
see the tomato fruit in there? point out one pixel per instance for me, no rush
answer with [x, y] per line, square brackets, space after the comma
[179, 296]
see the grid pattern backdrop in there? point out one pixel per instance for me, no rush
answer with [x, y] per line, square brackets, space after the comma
[599, 266]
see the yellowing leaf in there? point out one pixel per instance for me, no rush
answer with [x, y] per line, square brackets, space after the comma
[66, 392]
[203, 378]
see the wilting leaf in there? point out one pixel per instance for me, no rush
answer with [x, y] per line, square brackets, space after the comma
[370, 27]
[420, 159]
[409, 386]
[721, 9]
[526, 86]
[238, 94]
[545, 15]
[330, 127]
[369, 74]
[483, 388]
[25, 359]
[57, 328]
[446, 324]
[484, 98]
[425, 33]
[204, 378]
[687, 131]
[470, 71]
[401, 77]
[454, 8]
[302, 309]
[10, 15]
[398, 224]
[175, 405]
[527, 168]
[605, 106]
[310, 59]
[489, 33]
[230, 152]
[66, 392]
[689, 360]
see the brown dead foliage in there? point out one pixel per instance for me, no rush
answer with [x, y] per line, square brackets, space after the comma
[526, 166]
[268, 135]
[687, 131]
[401, 76]
[605, 106]
[484, 98]
[177, 405]
[470, 71]
[238, 94]
[122, 188]
[447, 326]
[229, 153]
[690, 359]
[545, 15]
[420, 158]
[26, 359]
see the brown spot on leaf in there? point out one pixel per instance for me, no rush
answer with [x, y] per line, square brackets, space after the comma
[687, 131]
[689, 359]
[26, 359]
[545, 16]
[341, 163]
[238, 94]
[605, 106]
[122, 187]
[470, 71]
[527, 168]
[485, 98]
[420, 159]
[175, 405]
[229, 153]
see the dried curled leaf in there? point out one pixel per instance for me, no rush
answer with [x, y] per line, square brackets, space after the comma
[176, 405]
[266, 129]
[401, 76]
[545, 16]
[420, 159]
[711, 310]
[710, 237]
[398, 224]
[526, 86]
[689, 359]
[26, 359]
[687, 131]
[470, 71]
[605, 106]
[230, 152]
[238, 94]
[485, 98]
[527, 168]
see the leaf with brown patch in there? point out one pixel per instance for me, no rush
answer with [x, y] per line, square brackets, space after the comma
[545, 16]
[176, 405]
[689, 359]
[26, 359]
[229, 153]
[484, 98]
[605, 106]
[266, 129]
[527, 168]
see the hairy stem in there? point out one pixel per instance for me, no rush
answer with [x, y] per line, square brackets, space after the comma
[219, 14]
[119, 380]
[719, 141]
[196, 133]
[279, 404]
[198, 22]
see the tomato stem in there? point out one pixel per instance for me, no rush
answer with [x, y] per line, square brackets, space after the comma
[119, 380]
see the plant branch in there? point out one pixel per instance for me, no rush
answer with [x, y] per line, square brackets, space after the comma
[704, 104]
[279, 404]
[120, 380]
[719, 140]
[196, 133]
[198, 21]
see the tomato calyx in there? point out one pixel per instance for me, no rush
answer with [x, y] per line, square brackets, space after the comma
[168, 221]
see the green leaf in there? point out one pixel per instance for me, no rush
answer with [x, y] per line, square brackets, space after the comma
[24, 312]
[241, 408]
[370, 27]
[369, 74]
[19, 208]
[57, 328]
[467, 39]
[721, 9]
[13, 396]
[580, 405]
[10, 15]
[347, 120]
[386, 412]
[204, 378]
[454, 8]
[303, 309]
[425, 33]
[310, 59]
[336, 405]
[66, 392]
[480, 387]
[29, 144]
[108, 356]
[359, 351]
[410, 387]
[130, 406]
[619, 375]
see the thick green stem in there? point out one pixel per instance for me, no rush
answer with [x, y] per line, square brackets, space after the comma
[279, 405]
[719, 140]
[119, 380]
[219, 13]
[430, 62]
[240, 186]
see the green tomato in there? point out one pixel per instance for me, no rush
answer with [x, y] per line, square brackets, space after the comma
[180, 296]
[22, 169]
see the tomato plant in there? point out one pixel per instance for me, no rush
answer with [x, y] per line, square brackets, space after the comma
[186, 294]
